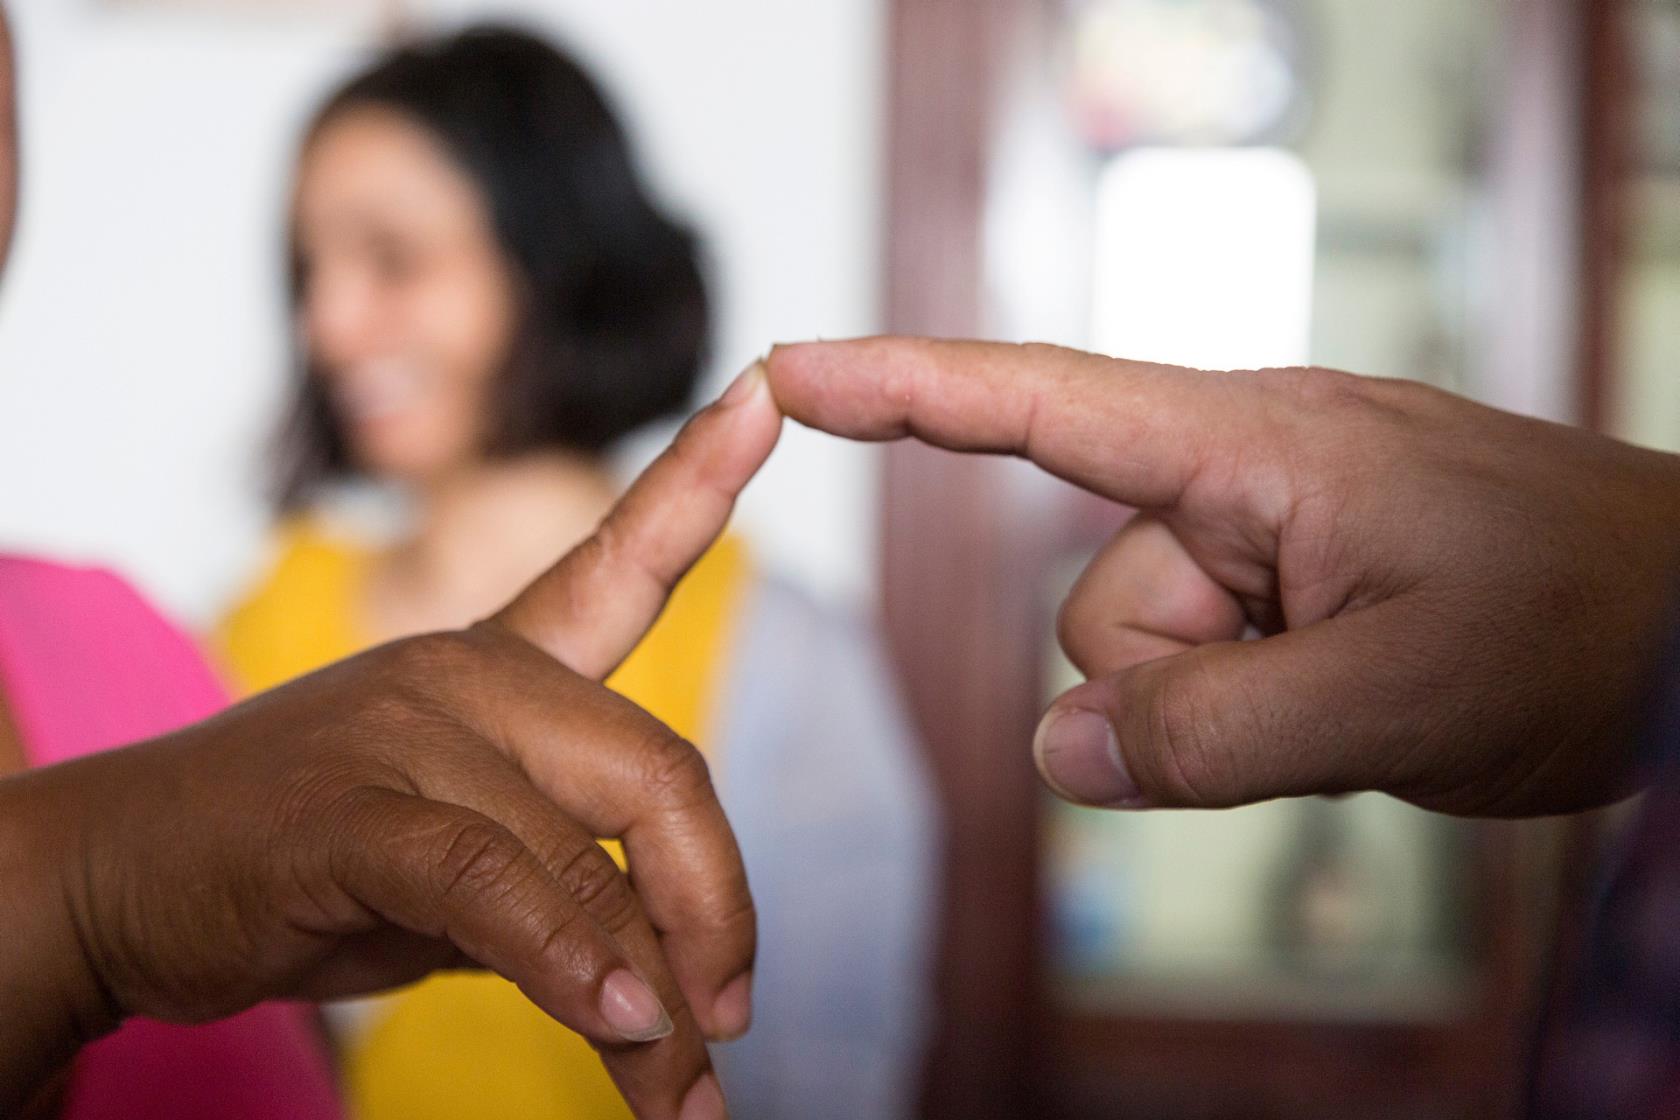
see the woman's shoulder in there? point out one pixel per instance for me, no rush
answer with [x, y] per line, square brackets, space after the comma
[312, 543]
[305, 554]
[307, 564]
[296, 615]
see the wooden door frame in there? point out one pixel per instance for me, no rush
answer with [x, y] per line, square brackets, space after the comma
[963, 685]
[1609, 97]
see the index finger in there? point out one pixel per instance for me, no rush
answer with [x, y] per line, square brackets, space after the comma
[622, 774]
[591, 608]
[1131, 431]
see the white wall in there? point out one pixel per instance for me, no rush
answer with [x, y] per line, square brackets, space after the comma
[141, 345]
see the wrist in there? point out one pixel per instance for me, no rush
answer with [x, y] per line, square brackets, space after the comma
[54, 999]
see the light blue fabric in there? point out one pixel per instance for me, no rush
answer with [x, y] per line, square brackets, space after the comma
[832, 804]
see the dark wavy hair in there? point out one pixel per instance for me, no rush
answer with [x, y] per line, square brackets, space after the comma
[613, 326]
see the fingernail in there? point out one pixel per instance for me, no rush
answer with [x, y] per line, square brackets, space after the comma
[745, 385]
[704, 1101]
[732, 1013]
[630, 1008]
[1079, 756]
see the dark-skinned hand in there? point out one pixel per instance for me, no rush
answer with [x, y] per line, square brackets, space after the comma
[1456, 605]
[433, 803]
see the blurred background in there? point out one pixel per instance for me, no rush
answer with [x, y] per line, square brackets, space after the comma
[147, 287]
[1481, 194]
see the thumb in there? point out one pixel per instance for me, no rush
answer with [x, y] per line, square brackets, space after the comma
[1309, 711]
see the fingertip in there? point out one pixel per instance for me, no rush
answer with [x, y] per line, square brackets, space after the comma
[732, 1010]
[783, 355]
[748, 384]
[1078, 756]
[794, 364]
[704, 1100]
[844, 388]
[756, 430]
[757, 397]
[631, 1008]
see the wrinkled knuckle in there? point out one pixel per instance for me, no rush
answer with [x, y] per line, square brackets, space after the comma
[474, 858]
[673, 772]
[597, 885]
[1176, 717]
[604, 546]
[333, 797]
[560, 940]
[599, 556]
[736, 924]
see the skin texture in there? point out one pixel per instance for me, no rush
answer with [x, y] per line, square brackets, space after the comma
[431, 803]
[1459, 606]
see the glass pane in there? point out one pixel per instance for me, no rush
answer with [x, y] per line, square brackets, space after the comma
[1398, 96]
[1236, 184]
[1647, 407]
[1347, 909]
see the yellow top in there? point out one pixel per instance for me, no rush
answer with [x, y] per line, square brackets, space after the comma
[463, 1046]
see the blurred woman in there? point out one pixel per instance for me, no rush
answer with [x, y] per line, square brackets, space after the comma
[486, 301]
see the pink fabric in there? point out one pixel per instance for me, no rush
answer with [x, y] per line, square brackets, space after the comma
[86, 665]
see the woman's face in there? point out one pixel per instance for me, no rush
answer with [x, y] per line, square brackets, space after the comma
[407, 304]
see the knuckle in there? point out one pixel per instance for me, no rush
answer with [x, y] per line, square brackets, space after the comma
[560, 940]
[473, 858]
[396, 726]
[673, 772]
[737, 924]
[429, 657]
[600, 889]
[1041, 353]
[1074, 629]
[1317, 391]
[381, 716]
[1404, 396]
[332, 795]
[591, 562]
[604, 547]
[1176, 729]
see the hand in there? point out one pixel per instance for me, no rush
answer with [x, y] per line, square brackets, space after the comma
[435, 803]
[1458, 606]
